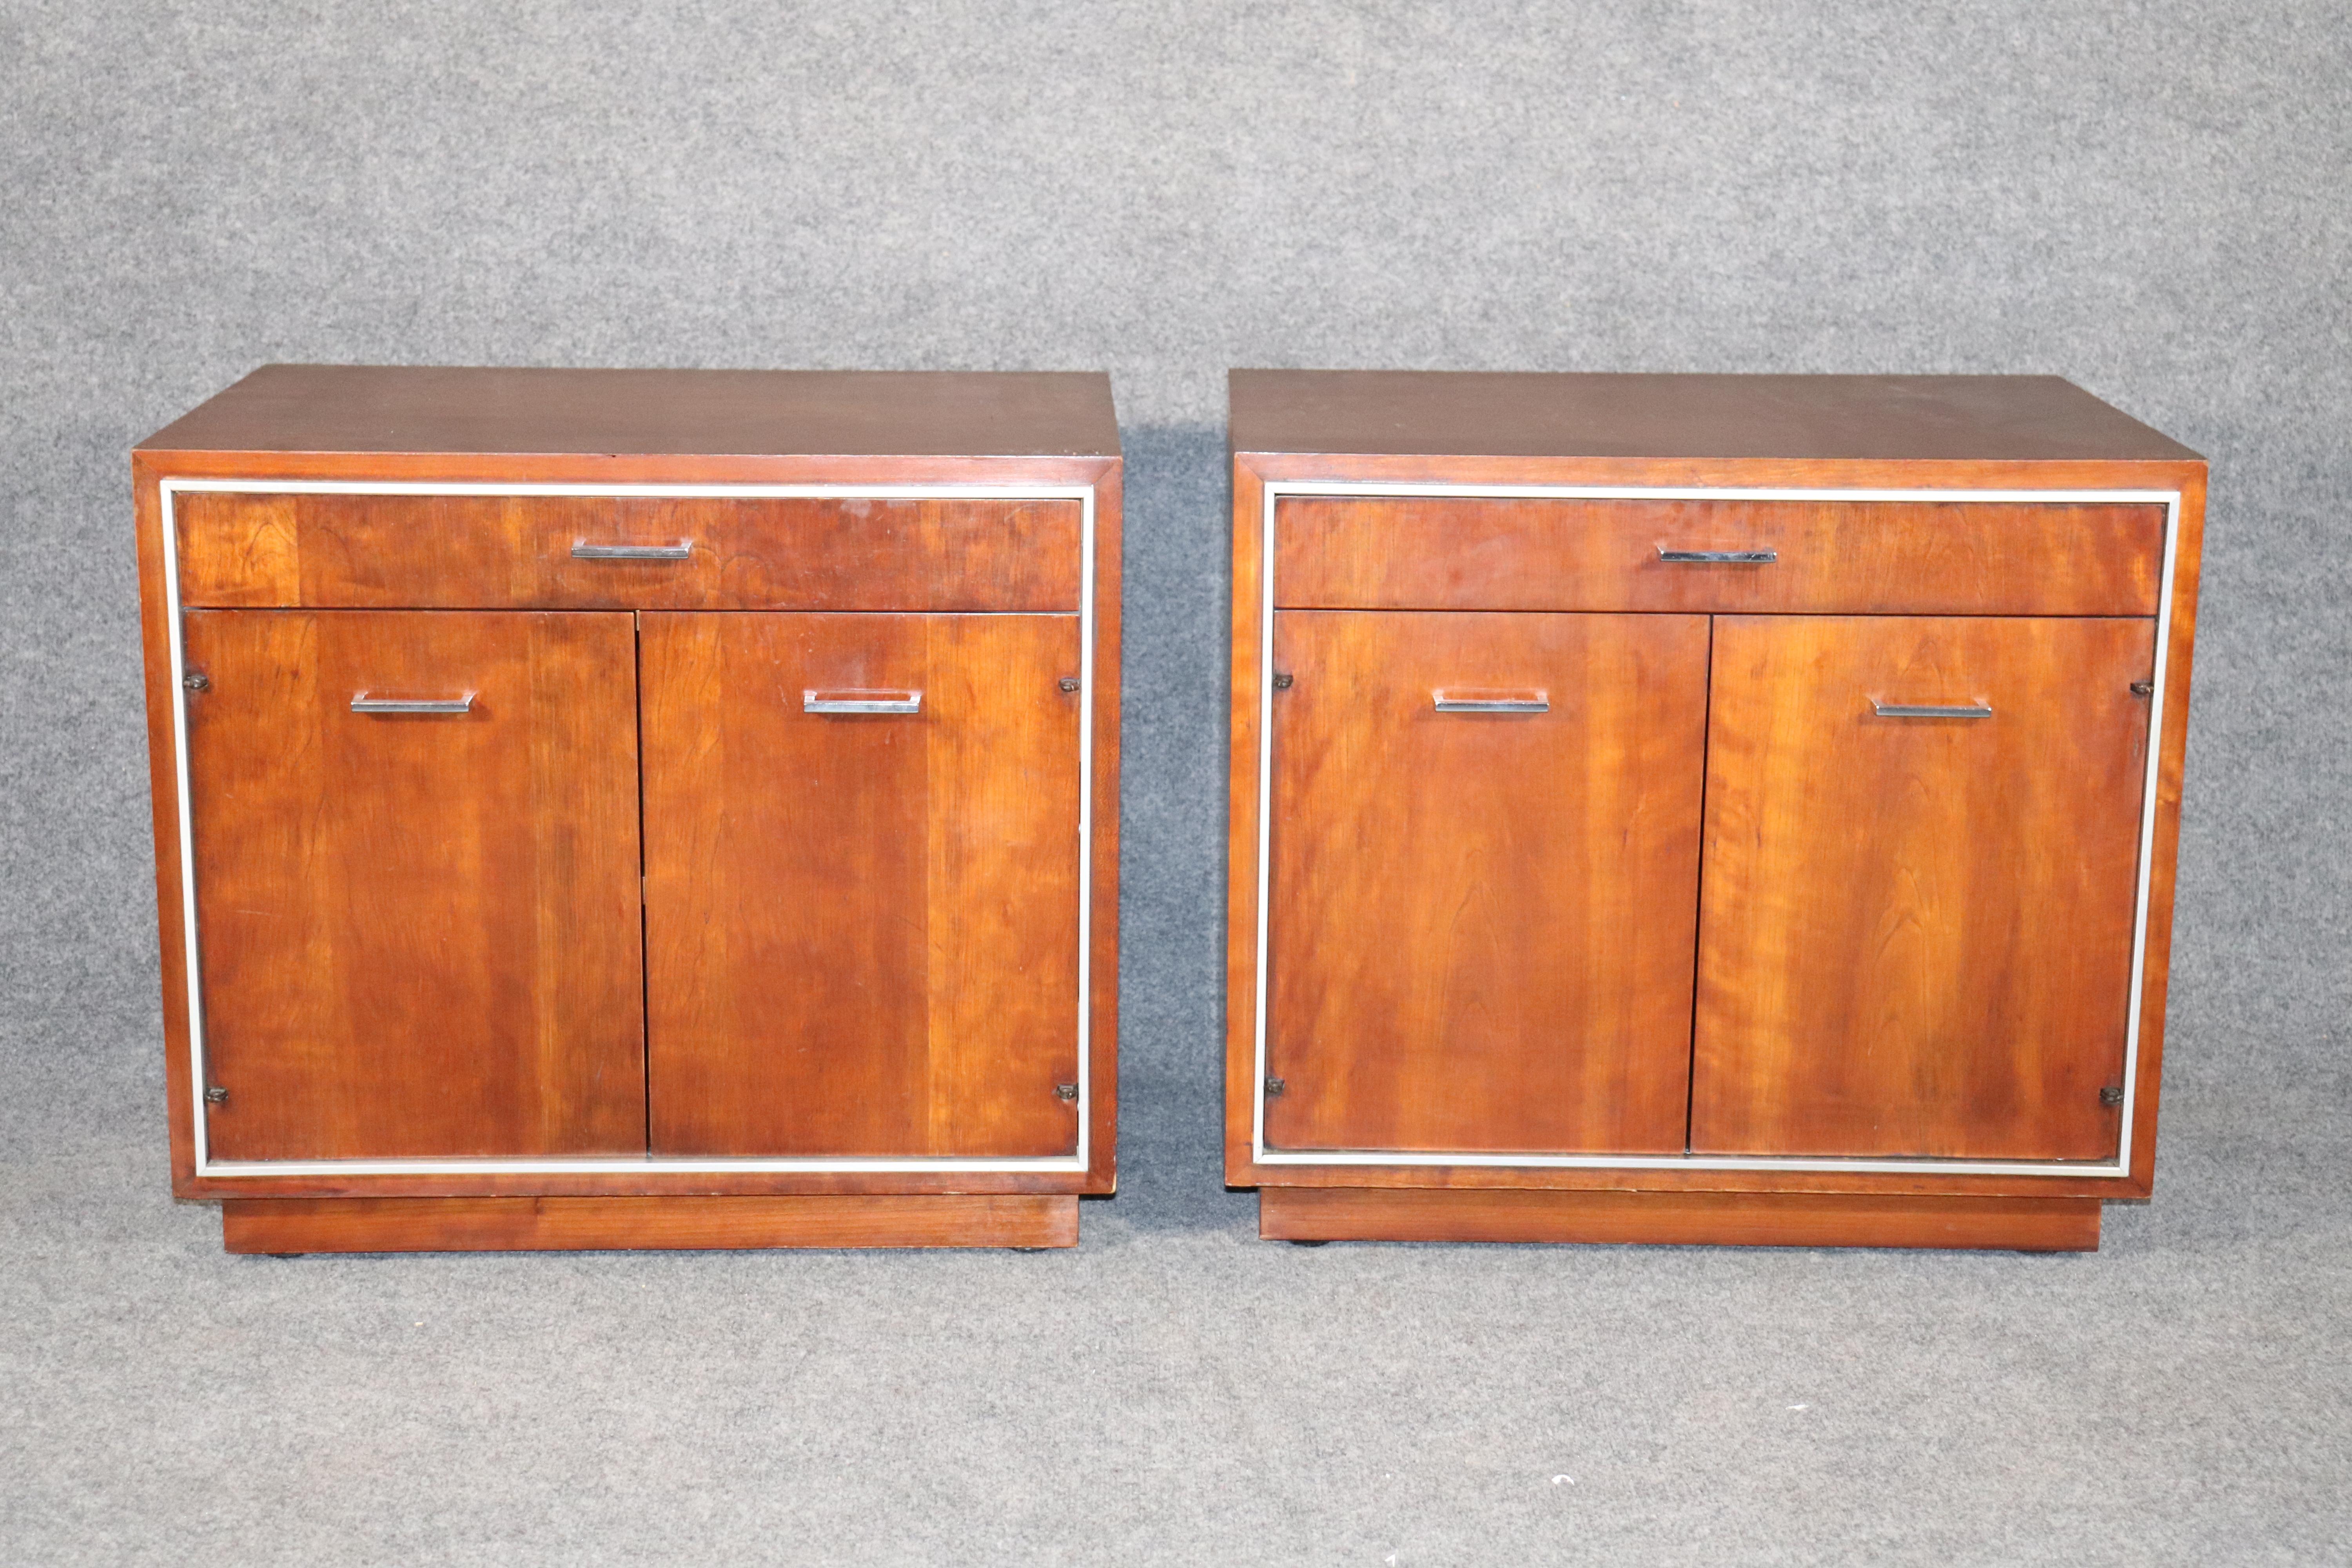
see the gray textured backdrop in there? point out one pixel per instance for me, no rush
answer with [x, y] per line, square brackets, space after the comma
[2154, 199]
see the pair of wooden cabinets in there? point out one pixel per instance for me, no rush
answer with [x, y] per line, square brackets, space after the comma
[634, 808]
[711, 845]
[1699, 808]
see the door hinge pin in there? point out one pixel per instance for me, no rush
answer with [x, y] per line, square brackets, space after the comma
[1069, 683]
[196, 681]
[1282, 682]
[215, 1095]
[2112, 1095]
[2143, 687]
[1068, 1092]
[1275, 1085]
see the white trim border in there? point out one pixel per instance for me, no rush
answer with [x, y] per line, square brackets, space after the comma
[208, 1168]
[2119, 1168]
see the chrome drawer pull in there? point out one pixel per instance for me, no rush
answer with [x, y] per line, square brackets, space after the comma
[364, 703]
[1719, 557]
[861, 703]
[583, 551]
[1913, 710]
[1456, 702]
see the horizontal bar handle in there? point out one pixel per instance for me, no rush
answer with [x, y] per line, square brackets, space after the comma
[583, 551]
[1719, 557]
[364, 703]
[1497, 703]
[861, 703]
[1916, 710]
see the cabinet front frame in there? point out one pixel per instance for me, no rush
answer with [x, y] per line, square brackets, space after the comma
[945, 1173]
[1387, 1166]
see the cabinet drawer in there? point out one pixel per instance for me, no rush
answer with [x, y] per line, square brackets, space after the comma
[246, 550]
[1808, 556]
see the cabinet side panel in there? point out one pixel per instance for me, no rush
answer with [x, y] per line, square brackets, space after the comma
[2165, 846]
[1242, 828]
[1102, 1171]
[162, 774]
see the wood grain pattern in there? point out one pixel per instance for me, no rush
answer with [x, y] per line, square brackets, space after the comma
[1916, 935]
[1481, 923]
[1678, 1219]
[420, 932]
[499, 552]
[352, 413]
[863, 929]
[537, 1224]
[1846, 557]
[2088, 469]
[1434, 417]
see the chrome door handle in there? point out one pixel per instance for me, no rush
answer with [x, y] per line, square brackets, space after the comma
[1499, 702]
[1718, 557]
[1917, 710]
[861, 703]
[583, 551]
[364, 703]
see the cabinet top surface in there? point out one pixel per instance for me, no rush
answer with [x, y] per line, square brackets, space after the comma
[1988, 419]
[789, 413]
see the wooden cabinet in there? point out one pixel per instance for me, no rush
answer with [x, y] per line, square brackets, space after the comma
[635, 808]
[1695, 809]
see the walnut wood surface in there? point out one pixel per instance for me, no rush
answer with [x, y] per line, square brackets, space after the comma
[1849, 557]
[534, 1224]
[420, 932]
[1915, 933]
[2093, 466]
[1800, 418]
[1722, 1219]
[507, 412]
[863, 929]
[494, 552]
[1481, 923]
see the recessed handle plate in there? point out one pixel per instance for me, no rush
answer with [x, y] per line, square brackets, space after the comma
[583, 551]
[364, 703]
[1462, 702]
[861, 703]
[1718, 557]
[1918, 710]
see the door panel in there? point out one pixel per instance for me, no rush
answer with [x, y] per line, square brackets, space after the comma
[1916, 932]
[1481, 922]
[418, 932]
[863, 926]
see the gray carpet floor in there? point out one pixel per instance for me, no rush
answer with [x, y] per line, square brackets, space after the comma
[1174, 1390]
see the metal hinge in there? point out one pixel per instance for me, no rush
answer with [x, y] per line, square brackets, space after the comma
[1069, 683]
[215, 1095]
[2143, 687]
[196, 681]
[2112, 1095]
[1282, 682]
[1068, 1092]
[1275, 1085]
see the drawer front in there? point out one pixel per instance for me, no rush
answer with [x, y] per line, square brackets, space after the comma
[1804, 556]
[255, 551]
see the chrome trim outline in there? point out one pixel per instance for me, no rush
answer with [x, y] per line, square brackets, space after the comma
[207, 1168]
[2119, 1168]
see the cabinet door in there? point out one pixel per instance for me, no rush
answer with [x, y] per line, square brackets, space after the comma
[418, 931]
[1481, 917]
[1916, 931]
[863, 926]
